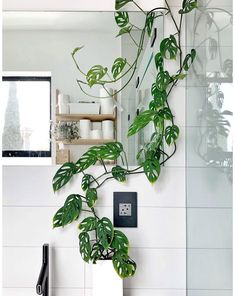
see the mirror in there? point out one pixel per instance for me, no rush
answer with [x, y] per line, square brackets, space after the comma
[39, 45]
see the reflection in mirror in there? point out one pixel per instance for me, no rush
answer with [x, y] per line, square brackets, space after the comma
[39, 42]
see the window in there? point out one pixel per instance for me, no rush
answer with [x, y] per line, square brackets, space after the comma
[27, 114]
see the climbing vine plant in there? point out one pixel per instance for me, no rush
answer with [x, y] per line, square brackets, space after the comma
[98, 240]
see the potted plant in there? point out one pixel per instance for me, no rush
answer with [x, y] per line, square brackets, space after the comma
[98, 240]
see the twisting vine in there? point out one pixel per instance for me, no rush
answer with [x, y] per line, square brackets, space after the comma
[98, 239]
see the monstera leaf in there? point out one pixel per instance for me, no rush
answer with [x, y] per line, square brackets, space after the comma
[118, 66]
[105, 232]
[187, 6]
[91, 196]
[95, 74]
[110, 151]
[158, 96]
[171, 134]
[120, 3]
[123, 264]
[189, 59]
[96, 252]
[119, 173]
[165, 113]
[169, 48]
[120, 242]
[125, 30]
[162, 80]
[152, 169]
[88, 224]
[141, 121]
[87, 159]
[149, 23]
[86, 181]
[76, 50]
[69, 212]
[159, 61]
[85, 246]
[121, 18]
[63, 175]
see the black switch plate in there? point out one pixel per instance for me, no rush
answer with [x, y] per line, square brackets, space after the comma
[125, 209]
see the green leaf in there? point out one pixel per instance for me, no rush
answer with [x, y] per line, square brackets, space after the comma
[152, 169]
[119, 173]
[63, 175]
[95, 74]
[169, 48]
[189, 60]
[96, 252]
[118, 66]
[165, 113]
[149, 23]
[91, 196]
[171, 134]
[123, 264]
[87, 159]
[76, 50]
[88, 224]
[120, 242]
[162, 80]
[121, 18]
[125, 30]
[158, 96]
[105, 232]
[110, 151]
[159, 62]
[86, 181]
[120, 3]
[69, 212]
[85, 246]
[141, 121]
[180, 76]
[187, 6]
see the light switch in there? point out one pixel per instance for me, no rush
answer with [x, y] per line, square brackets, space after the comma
[125, 209]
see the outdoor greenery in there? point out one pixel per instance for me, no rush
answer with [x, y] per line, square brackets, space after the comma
[98, 240]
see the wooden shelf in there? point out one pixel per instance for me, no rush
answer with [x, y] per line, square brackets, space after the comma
[86, 141]
[92, 117]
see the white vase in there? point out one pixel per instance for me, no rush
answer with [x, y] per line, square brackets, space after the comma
[105, 280]
[107, 103]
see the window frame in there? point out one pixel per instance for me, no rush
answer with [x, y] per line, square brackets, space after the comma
[29, 153]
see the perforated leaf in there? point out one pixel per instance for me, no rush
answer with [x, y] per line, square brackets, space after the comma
[110, 151]
[69, 212]
[189, 59]
[152, 169]
[63, 175]
[149, 23]
[159, 61]
[122, 18]
[119, 173]
[169, 48]
[123, 264]
[87, 159]
[88, 224]
[188, 5]
[85, 246]
[96, 252]
[91, 196]
[95, 74]
[120, 3]
[165, 113]
[86, 181]
[171, 134]
[118, 66]
[159, 97]
[120, 241]
[105, 232]
[162, 80]
[125, 30]
[141, 121]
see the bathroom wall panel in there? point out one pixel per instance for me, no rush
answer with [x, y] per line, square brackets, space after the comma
[34, 187]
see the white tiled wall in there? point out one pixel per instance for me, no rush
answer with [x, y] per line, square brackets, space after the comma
[157, 245]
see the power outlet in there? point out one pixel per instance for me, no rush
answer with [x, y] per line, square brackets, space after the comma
[125, 209]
